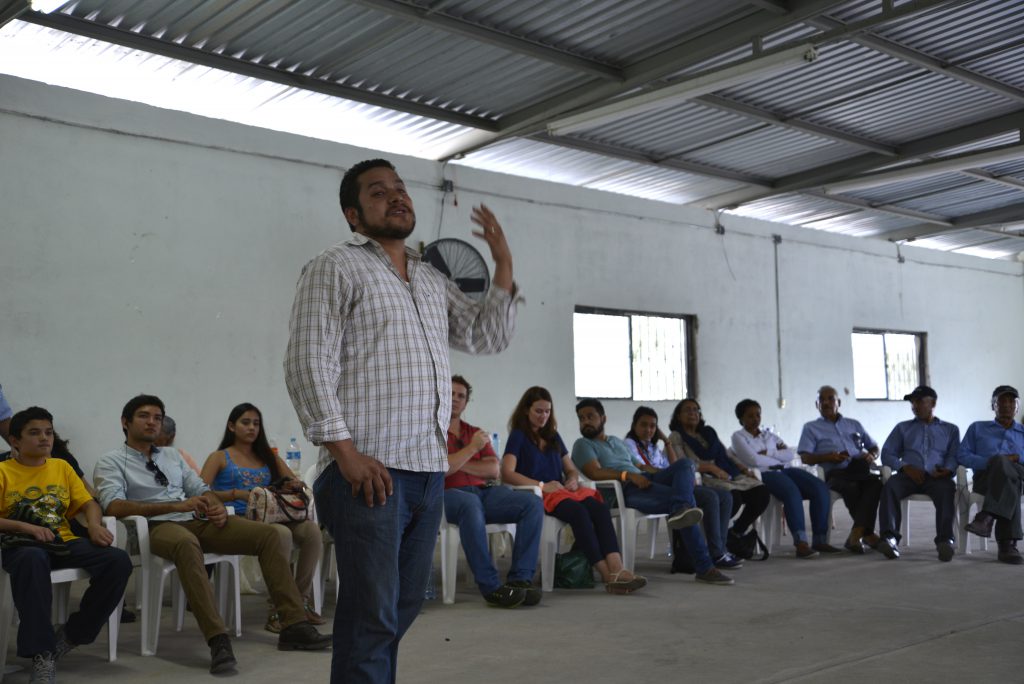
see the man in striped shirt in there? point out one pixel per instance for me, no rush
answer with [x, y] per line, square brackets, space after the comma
[368, 372]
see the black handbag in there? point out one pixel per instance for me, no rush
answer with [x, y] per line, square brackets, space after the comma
[573, 571]
[746, 545]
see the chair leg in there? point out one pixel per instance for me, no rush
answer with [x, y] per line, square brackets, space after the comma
[153, 580]
[6, 617]
[449, 561]
[905, 523]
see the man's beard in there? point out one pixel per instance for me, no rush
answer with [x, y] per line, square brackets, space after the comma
[386, 232]
[590, 432]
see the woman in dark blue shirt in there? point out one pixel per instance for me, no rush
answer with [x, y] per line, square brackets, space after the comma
[536, 456]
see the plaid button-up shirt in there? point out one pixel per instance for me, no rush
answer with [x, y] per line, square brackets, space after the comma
[367, 355]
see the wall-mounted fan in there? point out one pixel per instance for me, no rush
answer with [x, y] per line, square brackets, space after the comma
[461, 263]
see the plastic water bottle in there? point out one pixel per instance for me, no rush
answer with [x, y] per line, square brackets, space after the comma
[495, 442]
[293, 457]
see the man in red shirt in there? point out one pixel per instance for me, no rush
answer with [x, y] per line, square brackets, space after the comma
[472, 499]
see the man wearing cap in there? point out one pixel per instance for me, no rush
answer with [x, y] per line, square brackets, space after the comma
[993, 449]
[922, 455]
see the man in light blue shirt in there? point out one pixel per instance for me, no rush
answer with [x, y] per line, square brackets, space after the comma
[846, 452]
[922, 455]
[994, 449]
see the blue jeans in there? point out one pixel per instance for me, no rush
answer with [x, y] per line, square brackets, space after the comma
[791, 486]
[471, 508]
[384, 555]
[717, 507]
[670, 490]
[29, 568]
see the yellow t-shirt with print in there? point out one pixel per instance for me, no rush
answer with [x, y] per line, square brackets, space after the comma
[49, 495]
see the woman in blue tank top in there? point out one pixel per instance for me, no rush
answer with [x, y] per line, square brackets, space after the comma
[245, 460]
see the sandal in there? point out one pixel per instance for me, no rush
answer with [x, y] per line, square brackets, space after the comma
[273, 623]
[624, 586]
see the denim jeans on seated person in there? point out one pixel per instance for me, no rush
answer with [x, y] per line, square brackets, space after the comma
[670, 490]
[384, 555]
[472, 508]
[791, 486]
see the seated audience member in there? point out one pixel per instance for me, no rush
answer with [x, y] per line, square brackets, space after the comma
[38, 497]
[243, 461]
[922, 455]
[645, 488]
[166, 438]
[642, 440]
[994, 449]
[757, 447]
[471, 501]
[699, 442]
[5, 417]
[846, 452]
[188, 519]
[536, 456]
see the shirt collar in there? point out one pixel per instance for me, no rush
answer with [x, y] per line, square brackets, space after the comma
[154, 450]
[359, 240]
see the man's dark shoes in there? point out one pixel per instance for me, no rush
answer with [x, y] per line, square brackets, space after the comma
[533, 594]
[684, 517]
[1008, 553]
[854, 546]
[302, 636]
[887, 547]
[945, 549]
[804, 550]
[982, 524]
[506, 596]
[826, 548]
[222, 658]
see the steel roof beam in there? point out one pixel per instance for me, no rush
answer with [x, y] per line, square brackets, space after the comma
[12, 9]
[776, 6]
[982, 174]
[982, 219]
[432, 19]
[136, 41]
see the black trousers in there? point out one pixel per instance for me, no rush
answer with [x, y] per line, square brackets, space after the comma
[861, 492]
[1000, 482]
[592, 525]
[941, 491]
[754, 502]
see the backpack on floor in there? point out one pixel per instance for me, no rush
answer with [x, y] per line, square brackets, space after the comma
[746, 545]
[681, 560]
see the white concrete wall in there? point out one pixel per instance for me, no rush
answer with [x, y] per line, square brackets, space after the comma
[147, 250]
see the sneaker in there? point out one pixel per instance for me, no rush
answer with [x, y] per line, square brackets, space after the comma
[945, 550]
[684, 517]
[715, 576]
[222, 658]
[533, 594]
[506, 596]
[729, 562]
[314, 617]
[887, 547]
[826, 548]
[63, 645]
[302, 636]
[1008, 553]
[273, 623]
[44, 669]
[128, 616]
[804, 550]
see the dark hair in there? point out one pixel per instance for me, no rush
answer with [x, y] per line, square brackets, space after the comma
[348, 193]
[20, 419]
[261, 447]
[458, 379]
[742, 407]
[520, 419]
[60, 447]
[169, 427]
[590, 403]
[640, 412]
[137, 402]
[675, 425]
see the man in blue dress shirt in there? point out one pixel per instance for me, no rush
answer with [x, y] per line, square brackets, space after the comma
[846, 452]
[993, 449]
[922, 455]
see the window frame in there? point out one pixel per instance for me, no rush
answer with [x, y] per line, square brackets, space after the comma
[922, 358]
[690, 338]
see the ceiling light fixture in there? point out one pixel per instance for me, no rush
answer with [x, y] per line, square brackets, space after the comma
[930, 168]
[708, 82]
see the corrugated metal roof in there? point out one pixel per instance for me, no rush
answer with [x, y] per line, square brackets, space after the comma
[438, 78]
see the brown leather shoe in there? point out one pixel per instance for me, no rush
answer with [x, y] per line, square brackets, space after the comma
[804, 550]
[982, 524]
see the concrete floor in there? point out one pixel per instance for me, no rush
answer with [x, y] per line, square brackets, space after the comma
[837, 619]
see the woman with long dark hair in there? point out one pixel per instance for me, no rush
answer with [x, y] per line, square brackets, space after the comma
[643, 437]
[734, 485]
[245, 460]
[535, 455]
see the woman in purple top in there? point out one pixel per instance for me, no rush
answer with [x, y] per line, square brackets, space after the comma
[536, 456]
[245, 460]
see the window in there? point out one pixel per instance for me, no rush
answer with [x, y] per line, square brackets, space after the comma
[886, 364]
[632, 355]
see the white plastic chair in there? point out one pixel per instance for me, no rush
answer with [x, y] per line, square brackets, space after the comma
[450, 541]
[155, 570]
[965, 500]
[323, 573]
[629, 520]
[61, 579]
[905, 508]
[833, 497]
[550, 542]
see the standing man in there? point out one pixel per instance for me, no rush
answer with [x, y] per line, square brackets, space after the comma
[368, 373]
[472, 500]
[846, 452]
[5, 417]
[922, 455]
[994, 450]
